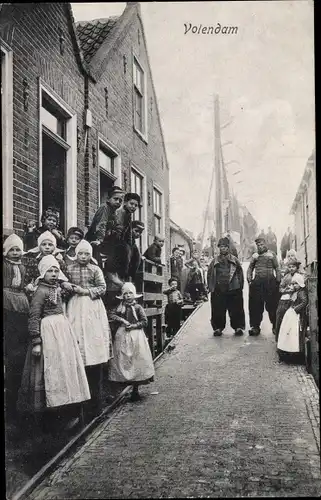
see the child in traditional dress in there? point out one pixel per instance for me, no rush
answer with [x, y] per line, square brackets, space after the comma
[46, 245]
[173, 310]
[74, 236]
[293, 294]
[132, 363]
[54, 373]
[15, 320]
[88, 318]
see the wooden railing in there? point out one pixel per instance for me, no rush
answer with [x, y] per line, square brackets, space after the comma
[149, 282]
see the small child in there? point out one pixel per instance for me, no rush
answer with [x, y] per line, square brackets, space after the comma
[49, 222]
[46, 245]
[74, 236]
[15, 320]
[173, 310]
[293, 293]
[195, 285]
[132, 363]
[54, 374]
[154, 251]
[88, 318]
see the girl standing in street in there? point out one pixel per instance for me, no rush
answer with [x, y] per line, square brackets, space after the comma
[293, 295]
[54, 373]
[88, 317]
[132, 363]
[15, 320]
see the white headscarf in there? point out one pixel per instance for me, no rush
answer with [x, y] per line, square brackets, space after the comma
[47, 235]
[299, 279]
[13, 240]
[45, 264]
[85, 246]
[129, 287]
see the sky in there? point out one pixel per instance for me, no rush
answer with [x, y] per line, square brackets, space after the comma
[264, 77]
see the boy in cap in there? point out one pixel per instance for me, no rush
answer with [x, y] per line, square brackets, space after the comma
[123, 250]
[264, 287]
[104, 231]
[225, 282]
[154, 251]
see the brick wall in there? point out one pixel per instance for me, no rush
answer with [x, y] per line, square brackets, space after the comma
[36, 54]
[116, 127]
[311, 239]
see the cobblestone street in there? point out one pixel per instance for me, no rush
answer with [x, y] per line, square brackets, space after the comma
[226, 419]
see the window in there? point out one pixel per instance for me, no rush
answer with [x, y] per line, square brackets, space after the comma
[107, 167]
[137, 187]
[7, 136]
[106, 161]
[157, 204]
[139, 98]
[58, 157]
[52, 118]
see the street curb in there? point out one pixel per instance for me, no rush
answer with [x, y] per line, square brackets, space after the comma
[178, 334]
[50, 466]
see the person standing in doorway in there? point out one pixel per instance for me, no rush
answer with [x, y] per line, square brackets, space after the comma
[138, 227]
[225, 283]
[264, 287]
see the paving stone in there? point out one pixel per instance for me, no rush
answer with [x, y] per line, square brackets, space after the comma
[227, 422]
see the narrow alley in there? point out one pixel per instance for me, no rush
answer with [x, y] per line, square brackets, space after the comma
[223, 419]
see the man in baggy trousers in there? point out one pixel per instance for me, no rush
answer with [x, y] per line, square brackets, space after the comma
[225, 282]
[264, 288]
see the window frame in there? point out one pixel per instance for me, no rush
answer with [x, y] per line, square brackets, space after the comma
[143, 94]
[134, 169]
[157, 188]
[70, 144]
[103, 144]
[7, 136]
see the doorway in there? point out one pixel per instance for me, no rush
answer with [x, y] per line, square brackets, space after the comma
[54, 177]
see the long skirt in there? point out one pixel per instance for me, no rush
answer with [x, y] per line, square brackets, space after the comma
[57, 377]
[132, 362]
[289, 334]
[89, 321]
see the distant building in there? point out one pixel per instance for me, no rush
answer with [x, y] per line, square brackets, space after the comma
[304, 211]
[180, 238]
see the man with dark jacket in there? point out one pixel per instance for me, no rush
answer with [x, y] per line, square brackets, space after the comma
[264, 288]
[138, 228]
[225, 281]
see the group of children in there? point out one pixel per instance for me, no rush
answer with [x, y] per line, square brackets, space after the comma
[57, 335]
[187, 283]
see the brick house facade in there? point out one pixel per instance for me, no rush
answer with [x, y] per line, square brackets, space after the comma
[304, 210]
[79, 114]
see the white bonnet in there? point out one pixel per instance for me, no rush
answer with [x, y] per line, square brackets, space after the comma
[13, 240]
[45, 264]
[47, 235]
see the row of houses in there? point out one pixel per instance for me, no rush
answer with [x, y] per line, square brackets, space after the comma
[79, 114]
[304, 212]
